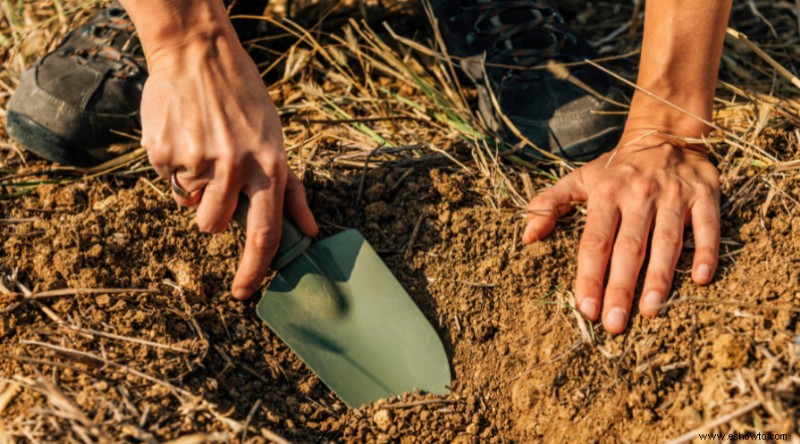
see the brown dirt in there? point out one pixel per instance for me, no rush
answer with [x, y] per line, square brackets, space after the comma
[522, 369]
[525, 367]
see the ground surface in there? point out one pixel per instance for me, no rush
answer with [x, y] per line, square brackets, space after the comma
[182, 359]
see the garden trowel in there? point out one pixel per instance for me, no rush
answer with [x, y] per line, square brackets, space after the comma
[338, 306]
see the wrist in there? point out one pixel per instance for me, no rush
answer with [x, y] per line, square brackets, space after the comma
[636, 137]
[653, 122]
[197, 50]
[179, 26]
[688, 118]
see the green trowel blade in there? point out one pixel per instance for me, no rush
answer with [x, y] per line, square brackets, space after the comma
[343, 312]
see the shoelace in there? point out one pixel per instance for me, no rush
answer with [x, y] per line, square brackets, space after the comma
[547, 33]
[113, 41]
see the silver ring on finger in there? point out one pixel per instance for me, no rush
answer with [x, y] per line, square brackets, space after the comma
[179, 190]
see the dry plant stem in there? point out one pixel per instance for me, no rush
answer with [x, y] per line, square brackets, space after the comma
[183, 395]
[94, 358]
[744, 144]
[772, 62]
[724, 419]
[11, 390]
[405, 405]
[76, 329]
[79, 291]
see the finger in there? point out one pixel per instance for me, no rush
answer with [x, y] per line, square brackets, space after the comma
[193, 186]
[665, 250]
[593, 254]
[160, 159]
[218, 203]
[263, 235]
[626, 263]
[545, 209]
[296, 206]
[706, 228]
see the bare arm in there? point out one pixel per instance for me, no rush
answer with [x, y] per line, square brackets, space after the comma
[207, 116]
[651, 181]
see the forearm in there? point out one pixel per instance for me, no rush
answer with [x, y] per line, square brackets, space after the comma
[680, 60]
[168, 28]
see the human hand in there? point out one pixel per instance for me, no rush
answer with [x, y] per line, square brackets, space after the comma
[207, 117]
[648, 188]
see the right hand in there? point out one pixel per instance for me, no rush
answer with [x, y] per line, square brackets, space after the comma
[650, 185]
[206, 115]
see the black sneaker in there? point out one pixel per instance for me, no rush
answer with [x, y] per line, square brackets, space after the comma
[85, 95]
[76, 100]
[550, 110]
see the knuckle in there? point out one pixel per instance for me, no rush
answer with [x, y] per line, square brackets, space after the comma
[668, 239]
[595, 242]
[590, 285]
[674, 189]
[275, 165]
[205, 225]
[193, 161]
[708, 223]
[266, 238]
[705, 191]
[541, 206]
[227, 162]
[644, 187]
[212, 225]
[158, 157]
[659, 280]
[706, 251]
[619, 292]
[630, 245]
[608, 190]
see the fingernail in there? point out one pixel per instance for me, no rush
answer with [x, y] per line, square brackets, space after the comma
[704, 273]
[615, 319]
[589, 308]
[242, 294]
[653, 300]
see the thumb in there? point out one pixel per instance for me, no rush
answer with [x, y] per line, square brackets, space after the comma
[545, 209]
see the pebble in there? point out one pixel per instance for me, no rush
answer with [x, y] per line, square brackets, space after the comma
[383, 419]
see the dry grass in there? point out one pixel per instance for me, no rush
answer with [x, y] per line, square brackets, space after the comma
[365, 95]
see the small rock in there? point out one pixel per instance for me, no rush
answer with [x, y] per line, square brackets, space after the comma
[188, 276]
[444, 217]
[377, 210]
[383, 419]
[95, 251]
[731, 351]
[103, 300]
[375, 192]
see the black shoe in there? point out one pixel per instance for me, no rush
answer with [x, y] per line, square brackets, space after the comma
[76, 100]
[551, 111]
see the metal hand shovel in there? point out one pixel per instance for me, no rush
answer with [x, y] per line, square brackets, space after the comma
[337, 305]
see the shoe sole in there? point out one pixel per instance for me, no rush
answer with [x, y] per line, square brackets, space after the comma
[37, 139]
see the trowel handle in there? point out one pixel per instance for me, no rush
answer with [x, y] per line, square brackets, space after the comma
[293, 241]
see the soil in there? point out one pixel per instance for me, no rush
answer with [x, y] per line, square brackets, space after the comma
[523, 371]
[74, 365]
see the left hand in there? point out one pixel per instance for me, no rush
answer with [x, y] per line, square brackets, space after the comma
[653, 185]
